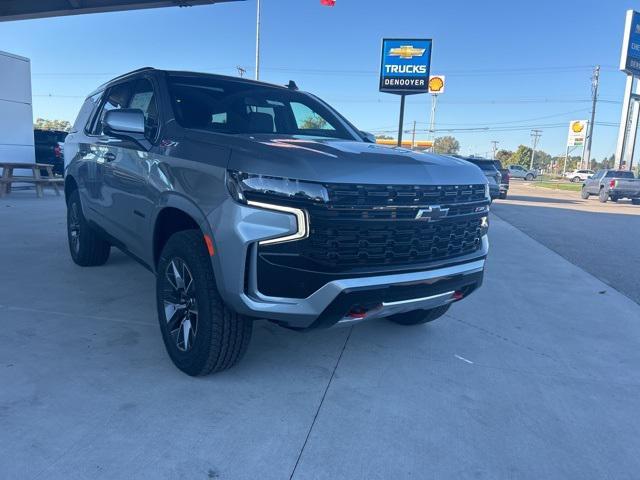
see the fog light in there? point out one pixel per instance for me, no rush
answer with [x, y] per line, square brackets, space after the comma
[484, 225]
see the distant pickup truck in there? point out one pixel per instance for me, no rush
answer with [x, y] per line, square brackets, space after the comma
[612, 185]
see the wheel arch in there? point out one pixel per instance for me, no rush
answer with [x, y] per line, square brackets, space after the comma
[70, 185]
[176, 214]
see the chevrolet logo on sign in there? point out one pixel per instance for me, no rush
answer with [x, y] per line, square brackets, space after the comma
[407, 51]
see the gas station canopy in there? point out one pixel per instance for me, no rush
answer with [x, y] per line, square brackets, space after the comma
[27, 9]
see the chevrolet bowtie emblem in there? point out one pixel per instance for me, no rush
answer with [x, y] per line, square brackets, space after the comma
[406, 51]
[432, 213]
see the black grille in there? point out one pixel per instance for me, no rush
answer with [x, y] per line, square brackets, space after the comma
[348, 244]
[376, 225]
[348, 195]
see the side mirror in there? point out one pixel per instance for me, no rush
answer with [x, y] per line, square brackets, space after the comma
[127, 124]
[368, 137]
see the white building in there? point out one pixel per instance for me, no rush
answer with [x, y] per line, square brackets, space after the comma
[16, 113]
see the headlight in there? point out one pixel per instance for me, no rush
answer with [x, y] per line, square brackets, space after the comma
[245, 186]
[267, 192]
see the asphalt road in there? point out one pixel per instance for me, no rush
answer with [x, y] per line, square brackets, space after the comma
[535, 376]
[603, 239]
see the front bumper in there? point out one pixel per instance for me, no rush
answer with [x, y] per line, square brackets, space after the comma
[237, 229]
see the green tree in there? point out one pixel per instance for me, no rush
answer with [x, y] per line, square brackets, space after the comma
[446, 145]
[384, 137]
[503, 156]
[44, 124]
[314, 122]
[522, 156]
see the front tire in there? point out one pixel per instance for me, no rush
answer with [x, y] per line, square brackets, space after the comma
[86, 246]
[503, 196]
[529, 177]
[603, 196]
[635, 201]
[576, 179]
[201, 334]
[584, 194]
[419, 317]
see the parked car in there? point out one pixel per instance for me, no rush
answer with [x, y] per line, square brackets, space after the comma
[577, 176]
[249, 200]
[518, 171]
[612, 185]
[49, 145]
[504, 181]
[490, 171]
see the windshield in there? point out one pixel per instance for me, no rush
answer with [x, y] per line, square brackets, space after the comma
[237, 107]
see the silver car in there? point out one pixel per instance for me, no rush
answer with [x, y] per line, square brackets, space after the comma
[248, 200]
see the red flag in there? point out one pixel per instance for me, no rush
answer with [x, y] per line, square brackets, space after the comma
[328, 3]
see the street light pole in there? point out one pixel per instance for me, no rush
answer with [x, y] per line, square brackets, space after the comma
[257, 75]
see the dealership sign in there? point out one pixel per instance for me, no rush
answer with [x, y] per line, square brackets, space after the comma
[405, 66]
[630, 58]
[577, 133]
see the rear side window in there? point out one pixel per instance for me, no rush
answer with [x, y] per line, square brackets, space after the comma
[87, 113]
[620, 174]
[115, 98]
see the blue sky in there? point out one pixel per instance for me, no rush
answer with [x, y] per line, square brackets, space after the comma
[510, 66]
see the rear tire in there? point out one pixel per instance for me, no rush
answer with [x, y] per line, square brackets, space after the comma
[576, 179]
[635, 201]
[529, 177]
[419, 317]
[584, 194]
[503, 196]
[202, 335]
[87, 247]
[603, 196]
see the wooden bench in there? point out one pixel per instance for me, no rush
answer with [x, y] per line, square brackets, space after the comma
[38, 180]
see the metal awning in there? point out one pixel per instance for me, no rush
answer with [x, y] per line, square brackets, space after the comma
[26, 9]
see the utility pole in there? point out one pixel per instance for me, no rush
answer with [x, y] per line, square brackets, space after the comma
[258, 42]
[241, 71]
[586, 153]
[413, 138]
[535, 136]
[494, 144]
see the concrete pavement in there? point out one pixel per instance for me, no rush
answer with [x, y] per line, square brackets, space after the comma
[600, 238]
[511, 384]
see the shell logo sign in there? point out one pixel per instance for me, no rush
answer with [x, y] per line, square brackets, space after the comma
[577, 131]
[436, 84]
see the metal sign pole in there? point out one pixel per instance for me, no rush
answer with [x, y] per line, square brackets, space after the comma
[257, 73]
[624, 121]
[566, 159]
[632, 134]
[432, 122]
[401, 122]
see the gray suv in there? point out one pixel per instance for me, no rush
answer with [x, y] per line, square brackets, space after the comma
[255, 201]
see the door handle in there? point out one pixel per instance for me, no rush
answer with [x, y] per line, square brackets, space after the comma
[109, 157]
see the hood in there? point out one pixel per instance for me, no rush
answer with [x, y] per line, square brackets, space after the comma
[343, 161]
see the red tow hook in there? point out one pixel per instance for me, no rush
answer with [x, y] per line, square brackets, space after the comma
[458, 295]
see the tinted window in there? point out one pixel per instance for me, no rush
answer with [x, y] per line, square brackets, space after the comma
[486, 165]
[619, 174]
[88, 113]
[143, 98]
[237, 107]
[116, 97]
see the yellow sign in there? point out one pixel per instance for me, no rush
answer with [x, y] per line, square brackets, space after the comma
[436, 84]
[407, 51]
[577, 131]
